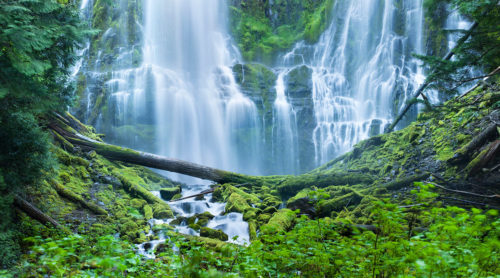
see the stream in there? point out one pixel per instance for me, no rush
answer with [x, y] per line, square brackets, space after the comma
[232, 224]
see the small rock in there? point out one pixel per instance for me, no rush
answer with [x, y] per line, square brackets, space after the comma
[168, 193]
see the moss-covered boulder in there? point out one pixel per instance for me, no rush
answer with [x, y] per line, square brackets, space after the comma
[217, 195]
[236, 203]
[168, 193]
[281, 221]
[162, 211]
[201, 219]
[178, 220]
[211, 233]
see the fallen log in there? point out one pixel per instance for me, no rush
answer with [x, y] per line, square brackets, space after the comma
[466, 151]
[208, 191]
[475, 166]
[34, 212]
[148, 159]
[75, 198]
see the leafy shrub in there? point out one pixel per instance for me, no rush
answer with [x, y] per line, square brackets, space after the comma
[427, 241]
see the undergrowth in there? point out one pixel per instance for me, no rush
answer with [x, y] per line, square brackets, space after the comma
[417, 240]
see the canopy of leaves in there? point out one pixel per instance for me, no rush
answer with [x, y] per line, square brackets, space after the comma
[474, 57]
[38, 39]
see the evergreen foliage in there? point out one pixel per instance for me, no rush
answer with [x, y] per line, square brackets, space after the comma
[473, 58]
[38, 39]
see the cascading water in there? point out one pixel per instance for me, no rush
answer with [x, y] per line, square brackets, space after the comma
[198, 103]
[284, 130]
[362, 70]
[197, 108]
[169, 89]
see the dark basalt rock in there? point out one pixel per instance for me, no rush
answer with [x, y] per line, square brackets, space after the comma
[305, 205]
[168, 193]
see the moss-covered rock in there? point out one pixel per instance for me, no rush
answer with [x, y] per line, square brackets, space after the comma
[236, 203]
[217, 195]
[137, 203]
[263, 28]
[200, 219]
[211, 233]
[169, 193]
[162, 211]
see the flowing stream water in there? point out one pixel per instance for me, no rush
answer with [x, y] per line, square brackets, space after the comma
[183, 95]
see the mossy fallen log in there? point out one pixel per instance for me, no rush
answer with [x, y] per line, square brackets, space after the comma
[477, 142]
[482, 158]
[159, 162]
[34, 212]
[293, 185]
[160, 208]
[281, 221]
[400, 183]
[68, 194]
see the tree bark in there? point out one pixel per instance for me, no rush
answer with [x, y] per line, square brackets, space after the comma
[75, 198]
[465, 152]
[34, 212]
[150, 160]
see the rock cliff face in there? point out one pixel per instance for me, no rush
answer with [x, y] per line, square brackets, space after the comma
[258, 82]
[263, 32]
[263, 29]
[299, 92]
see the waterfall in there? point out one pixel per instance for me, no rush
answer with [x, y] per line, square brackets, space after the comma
[171, 89]
[198, 105]
[183, 94]
[362, 70]
[284, 130]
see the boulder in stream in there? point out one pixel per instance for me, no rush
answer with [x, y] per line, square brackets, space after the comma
[211, 233]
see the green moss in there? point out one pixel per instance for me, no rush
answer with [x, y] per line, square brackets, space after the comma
[263, 218]
[162, 211]
[337, 204]
[473, 164]
[317, 22]
[293, 185]
[252, 229]
[217, 195]
[176, 196]
[137, 203]
[194, 226]
[211, 233]
[262, 29]
[169, 193]
[236, 203]
[250, 214]
[148, 212]
[281, 221]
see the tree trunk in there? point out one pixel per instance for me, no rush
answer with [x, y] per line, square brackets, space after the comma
[150, 160]
[34, 212]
